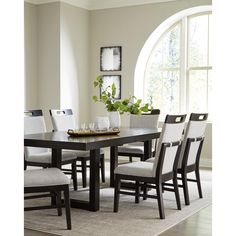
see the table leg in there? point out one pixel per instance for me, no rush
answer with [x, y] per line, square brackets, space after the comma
[147, 150]
[113, 163]
[56, 158]
[56, 162]
[94, 180]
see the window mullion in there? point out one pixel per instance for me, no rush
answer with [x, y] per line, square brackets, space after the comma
[183, 65]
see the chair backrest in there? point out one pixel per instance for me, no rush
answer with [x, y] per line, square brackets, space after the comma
[171, 136]
[34, 123]
[145, 120]
[194, 135]
[62, 120]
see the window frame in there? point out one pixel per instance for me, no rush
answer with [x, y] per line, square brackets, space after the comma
[155, 37]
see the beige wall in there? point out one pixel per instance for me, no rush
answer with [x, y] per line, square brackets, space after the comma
[74, 60]
[56, 59]
[31, 39]
[130, 27]
[48, 58]
[69, 41]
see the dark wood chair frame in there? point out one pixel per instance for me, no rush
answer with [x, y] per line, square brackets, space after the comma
[54, 192]
[73, 171]
[141, 156]
[185, 168]
[154, 182]
[83, 166]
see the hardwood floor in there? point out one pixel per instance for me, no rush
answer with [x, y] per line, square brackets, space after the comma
[198, 224]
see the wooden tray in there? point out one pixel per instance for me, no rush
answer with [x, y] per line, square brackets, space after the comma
[78, 133]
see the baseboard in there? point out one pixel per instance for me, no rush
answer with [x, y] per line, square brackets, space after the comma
[206, 163]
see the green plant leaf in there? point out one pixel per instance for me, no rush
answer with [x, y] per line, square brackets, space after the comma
[113, 90]
[95, 98]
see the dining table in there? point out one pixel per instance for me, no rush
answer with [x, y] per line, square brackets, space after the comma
[56, 141]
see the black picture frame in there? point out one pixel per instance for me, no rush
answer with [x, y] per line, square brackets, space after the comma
[110, 58]
[108, 80]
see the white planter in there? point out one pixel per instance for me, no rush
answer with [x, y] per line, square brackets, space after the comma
[114, 118]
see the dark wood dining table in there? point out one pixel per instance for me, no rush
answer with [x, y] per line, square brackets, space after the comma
[57, 141]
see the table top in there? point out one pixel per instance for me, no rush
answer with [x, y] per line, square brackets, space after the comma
[62, 140]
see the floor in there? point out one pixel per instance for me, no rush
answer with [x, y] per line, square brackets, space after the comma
[198, 224]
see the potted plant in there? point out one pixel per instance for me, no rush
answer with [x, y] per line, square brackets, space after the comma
[116, 107]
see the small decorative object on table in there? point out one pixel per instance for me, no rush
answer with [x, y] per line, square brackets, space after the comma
[81, 133]
[129, 105]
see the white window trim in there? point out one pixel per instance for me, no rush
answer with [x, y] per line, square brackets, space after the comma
[151, 42]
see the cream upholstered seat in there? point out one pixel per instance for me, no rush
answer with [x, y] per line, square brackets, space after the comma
[46, 157]
[34, 123]
[50, 180]
[44, 177]
[146, 120]
[155, 174]
[132, 148]
[62, 120]
[139, 168]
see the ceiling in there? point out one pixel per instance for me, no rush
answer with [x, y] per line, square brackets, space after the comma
[100, 4]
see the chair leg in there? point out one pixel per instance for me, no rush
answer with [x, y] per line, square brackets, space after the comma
[58, 203]
[137, 192]
[144, 191]
[74, 175]
[102, 161]
[116, 194]
[67, 207]
[25, 165]
[176, 189]
[185, 188]
[84, 173]
[160, 201]
[198, 183]
[130, 159]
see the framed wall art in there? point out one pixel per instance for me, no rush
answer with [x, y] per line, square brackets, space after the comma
[108, 80]
[110, 58]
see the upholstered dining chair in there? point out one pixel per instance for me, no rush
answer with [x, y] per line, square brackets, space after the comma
[145, 120]
[50, 180]
[34, 123]
[62, 120]
[154, 174]
[191, 152]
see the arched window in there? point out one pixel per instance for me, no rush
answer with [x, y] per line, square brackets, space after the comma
[177, 71]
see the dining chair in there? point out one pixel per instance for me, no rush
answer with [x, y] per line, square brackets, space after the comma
[34, 123]
[191, 152]
[145, 120]
[50, 180]
[62, 120]
[154, 174]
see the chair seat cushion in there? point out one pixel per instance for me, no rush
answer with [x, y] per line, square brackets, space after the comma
[139, 168]
[81, 154]
[44, 177]
[46, 157]
[132, 148]
[152, 159]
